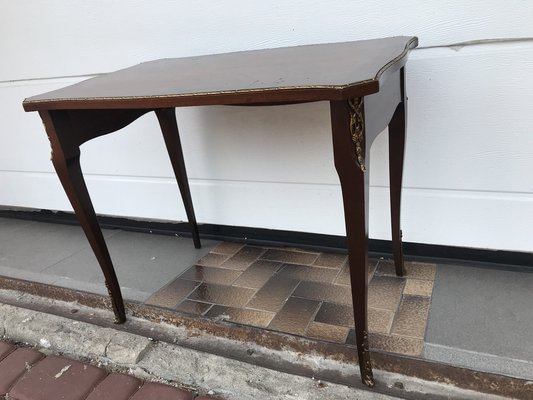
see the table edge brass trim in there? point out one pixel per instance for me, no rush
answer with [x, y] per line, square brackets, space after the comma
[196, 94]
[411, 44]
[408, 46]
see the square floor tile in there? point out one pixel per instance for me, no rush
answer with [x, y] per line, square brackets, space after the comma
[273, 294]
[222, 276]
[380, 321]
[418, 287]
[257, 274]
[335, 314]
[241, 315]
[223, 295]
[172, 294]
[385, 292]
[324, 292]
[243, 258]
[411, 317]
[212, 259]
[308, 273]
[330, 260]
[329, 333]
[413, 270]
[289, 256]
[344, 275]
[228, 248]
[193, 307]
[295, 316]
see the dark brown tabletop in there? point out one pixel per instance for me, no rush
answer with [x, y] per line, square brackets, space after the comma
[332, 71]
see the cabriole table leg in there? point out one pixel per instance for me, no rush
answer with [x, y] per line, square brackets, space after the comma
[169, 128]
[397, 127]
[66, 161]
[351, 162]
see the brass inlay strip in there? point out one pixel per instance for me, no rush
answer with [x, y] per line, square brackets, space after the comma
[236, 91]
[195, 94]
[408, 47]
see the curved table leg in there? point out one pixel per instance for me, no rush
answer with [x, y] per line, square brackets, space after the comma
[397, 127]
[347, 120]
[66, 161]
[169, 128]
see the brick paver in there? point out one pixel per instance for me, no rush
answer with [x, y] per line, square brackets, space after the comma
[116, 387]
[207, 398]
[5, 349]
[15, 365]
[27, 374]
[58, 378]
[156, 391]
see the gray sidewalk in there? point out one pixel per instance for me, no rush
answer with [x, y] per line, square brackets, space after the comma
[479, 316]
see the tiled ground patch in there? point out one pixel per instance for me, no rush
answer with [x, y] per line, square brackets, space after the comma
[304, 293]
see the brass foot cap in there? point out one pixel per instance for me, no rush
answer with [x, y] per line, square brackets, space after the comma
[120, 320]
[369, 381]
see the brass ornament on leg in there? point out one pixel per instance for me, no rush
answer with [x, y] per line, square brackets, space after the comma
[357, 129]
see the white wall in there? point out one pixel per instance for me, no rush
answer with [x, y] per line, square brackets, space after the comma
[469, 162]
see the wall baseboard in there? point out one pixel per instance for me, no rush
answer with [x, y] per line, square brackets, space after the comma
[315, 241]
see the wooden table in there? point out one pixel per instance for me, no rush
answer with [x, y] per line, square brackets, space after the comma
[363, 81]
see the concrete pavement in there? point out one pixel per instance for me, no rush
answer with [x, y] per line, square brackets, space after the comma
[114, 350]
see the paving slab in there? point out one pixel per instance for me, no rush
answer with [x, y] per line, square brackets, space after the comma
[37, 246]
[143, 262]
[9, 225]
[116, 387]
[482, 318]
